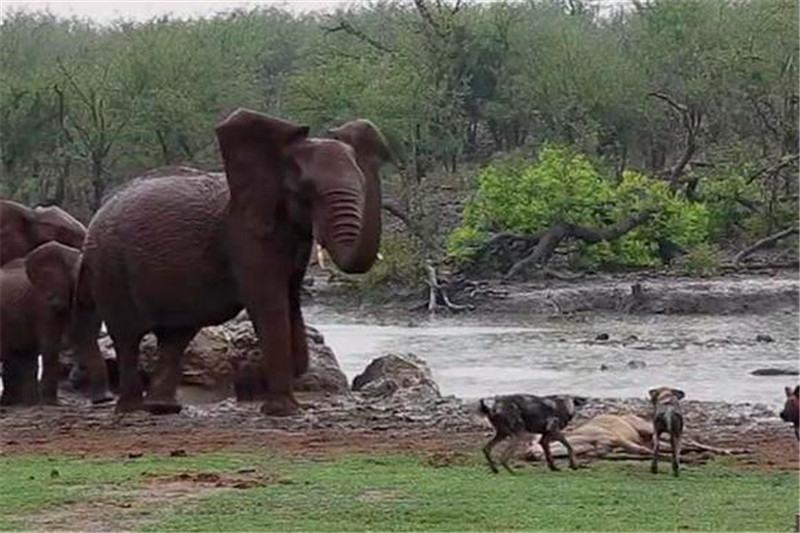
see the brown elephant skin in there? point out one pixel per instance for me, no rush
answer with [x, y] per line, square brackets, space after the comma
[22, 229]
[173, 254]
[37, 296]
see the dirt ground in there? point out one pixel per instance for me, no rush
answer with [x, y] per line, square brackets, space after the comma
[440, 428]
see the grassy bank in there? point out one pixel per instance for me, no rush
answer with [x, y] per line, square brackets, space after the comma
[243, 492]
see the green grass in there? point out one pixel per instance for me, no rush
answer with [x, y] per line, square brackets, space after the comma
[399, 493]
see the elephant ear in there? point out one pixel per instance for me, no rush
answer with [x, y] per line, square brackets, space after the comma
[371, 147]
[16, 230]
[53, 269]
[55, 224]
[253, 146]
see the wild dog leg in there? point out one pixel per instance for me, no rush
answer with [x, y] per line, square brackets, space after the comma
[487, 450]
[544, 442]
[675, 441]
[516, 440]
[559, 436]
[656, 443]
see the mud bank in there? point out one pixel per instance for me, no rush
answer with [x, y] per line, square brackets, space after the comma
[636, 293]
[348, 424]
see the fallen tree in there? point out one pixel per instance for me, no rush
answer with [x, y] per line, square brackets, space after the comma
[763, 243]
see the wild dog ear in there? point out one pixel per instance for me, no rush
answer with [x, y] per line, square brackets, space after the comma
[653, 394]
[678, 393]
[795, 392]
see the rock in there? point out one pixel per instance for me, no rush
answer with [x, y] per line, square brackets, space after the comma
[601, 337]
[226, 358]
[636, 364]
[392, 374]
[763, 337]
[604, 367]
[775, 372]
[630, 338]
[323, 374]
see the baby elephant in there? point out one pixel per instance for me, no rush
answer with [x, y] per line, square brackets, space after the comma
[667, 418]
[518, 415]
[37, 295]
[791, 409]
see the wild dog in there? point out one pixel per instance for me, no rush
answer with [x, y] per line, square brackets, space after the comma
[518, 415]
[667, 418]
[791, 409]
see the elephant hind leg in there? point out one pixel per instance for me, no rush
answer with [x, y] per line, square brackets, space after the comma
[162, 396]
[87, 329]
[130, 384]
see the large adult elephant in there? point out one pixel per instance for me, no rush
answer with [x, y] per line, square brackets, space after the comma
[22, 229]
[173, 254]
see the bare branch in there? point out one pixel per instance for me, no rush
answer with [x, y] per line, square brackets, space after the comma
[346, 27]
[542, 252]
[609, 233]
[692, 120]
[783, 162]
[766, 241]
[680, 108]
[427, 17]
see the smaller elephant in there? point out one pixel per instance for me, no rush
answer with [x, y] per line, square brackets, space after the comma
[37, 300]
[22, 229]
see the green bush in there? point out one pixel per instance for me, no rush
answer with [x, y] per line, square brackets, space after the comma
[563, 186]
[402, 264]
[703, 260]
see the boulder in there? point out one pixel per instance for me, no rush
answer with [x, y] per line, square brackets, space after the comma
[763, 337]
[392, 375]
[226, 358]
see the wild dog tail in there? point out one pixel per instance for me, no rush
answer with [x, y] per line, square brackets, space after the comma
[483, 408]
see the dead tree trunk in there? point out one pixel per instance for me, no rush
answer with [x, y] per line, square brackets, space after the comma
[557, 233]
[692, 120]
[766, 241]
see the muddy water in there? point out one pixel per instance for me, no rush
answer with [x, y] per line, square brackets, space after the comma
[709, 357]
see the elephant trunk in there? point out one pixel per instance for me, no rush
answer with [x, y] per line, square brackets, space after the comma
[371, 152]
[347, 221]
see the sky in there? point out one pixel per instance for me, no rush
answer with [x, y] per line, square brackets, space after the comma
[108, 10]
[104, 11]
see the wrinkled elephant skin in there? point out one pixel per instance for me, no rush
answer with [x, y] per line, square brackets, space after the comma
[37, 300]
[22, 229]
[173, 254]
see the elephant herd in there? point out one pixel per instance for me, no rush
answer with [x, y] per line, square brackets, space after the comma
[176, 251]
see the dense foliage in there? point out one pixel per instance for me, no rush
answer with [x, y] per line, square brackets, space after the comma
[700, 95]
[564, 187]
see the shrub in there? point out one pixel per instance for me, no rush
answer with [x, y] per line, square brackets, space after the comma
[563, 186]
[401, 265]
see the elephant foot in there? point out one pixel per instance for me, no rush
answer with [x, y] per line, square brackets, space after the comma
[128, 406]
[280, 405]
[101, 398]
[162, 407]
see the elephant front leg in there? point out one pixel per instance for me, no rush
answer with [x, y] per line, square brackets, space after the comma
[28, 367]
[277, 366]
[298, 327]
[12, 381]
[50, 375]
[264, 266]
